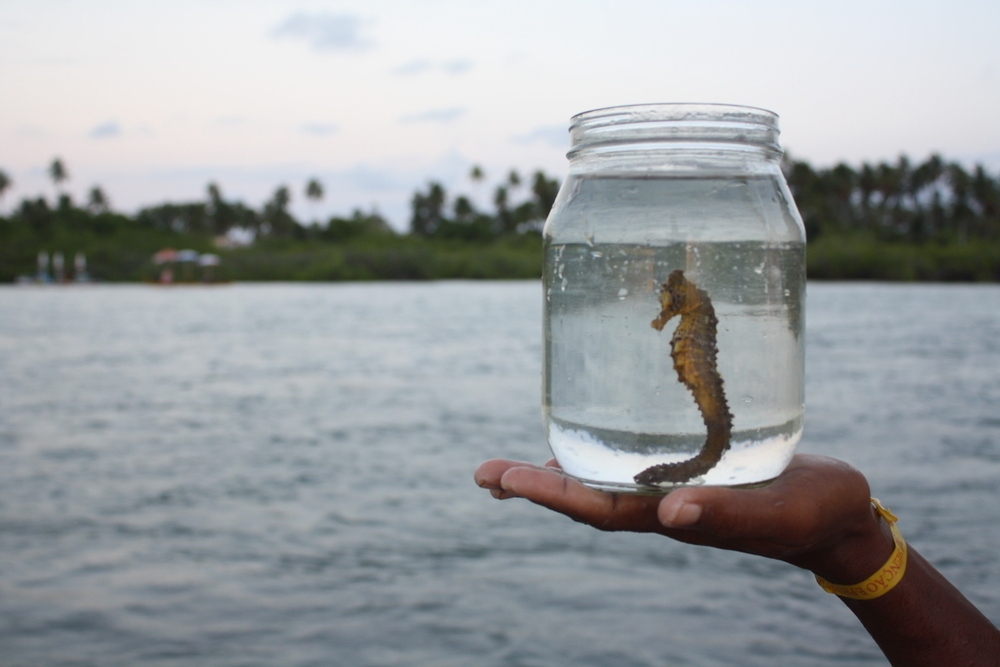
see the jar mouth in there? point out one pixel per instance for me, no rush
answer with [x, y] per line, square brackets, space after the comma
[670, 126]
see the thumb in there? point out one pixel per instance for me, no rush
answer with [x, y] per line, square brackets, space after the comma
[726, 513]
[815, 503]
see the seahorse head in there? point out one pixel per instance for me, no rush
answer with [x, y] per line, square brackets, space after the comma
[677, 296]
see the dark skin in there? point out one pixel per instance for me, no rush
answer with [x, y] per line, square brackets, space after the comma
[817, 515]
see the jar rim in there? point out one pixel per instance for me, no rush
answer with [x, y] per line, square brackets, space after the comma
[676, 111]
[720, 129]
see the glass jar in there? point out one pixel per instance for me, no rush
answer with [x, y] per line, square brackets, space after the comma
[675, 215]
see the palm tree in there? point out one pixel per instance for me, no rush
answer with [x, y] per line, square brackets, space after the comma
[97, 201]
[500, 200]
[477, 176]
[314, 190]
[314, 193]
[838, 186]
[961, 189]
[513, 181]
[926, 194]
[223, 217]
[464, 210]
[57, 172]
[5, 182]
[277, 221]
[545, 190]
[867, 182]
[282, 197]
[987, 196]
[214, 194]
[428, 210]
[926, 175]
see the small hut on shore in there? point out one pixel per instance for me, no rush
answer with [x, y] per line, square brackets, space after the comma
[183, 266]
[166, 259]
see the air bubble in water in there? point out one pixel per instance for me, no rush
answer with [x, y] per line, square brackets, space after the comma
[622, 293]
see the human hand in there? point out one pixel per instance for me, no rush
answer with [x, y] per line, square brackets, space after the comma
[817, 514]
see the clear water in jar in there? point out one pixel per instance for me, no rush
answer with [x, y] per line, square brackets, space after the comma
[612, 402]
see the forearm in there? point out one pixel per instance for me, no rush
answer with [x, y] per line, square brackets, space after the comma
[925, 620]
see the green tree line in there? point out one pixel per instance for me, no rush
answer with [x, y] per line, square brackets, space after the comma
[934, 220]
[447, 238]
[888, 221]
[932, 201]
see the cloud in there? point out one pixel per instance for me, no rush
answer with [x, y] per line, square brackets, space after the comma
[318, 129]
[324, 32]
[457, 66]
[434, 116]
[413, 67]
[553, 135]
[106, 130]
[421, 65]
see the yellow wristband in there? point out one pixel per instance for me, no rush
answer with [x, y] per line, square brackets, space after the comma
[886, 578]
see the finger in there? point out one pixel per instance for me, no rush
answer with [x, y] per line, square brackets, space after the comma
[488, 474]
[558, 492]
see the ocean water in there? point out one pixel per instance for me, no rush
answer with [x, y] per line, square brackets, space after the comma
[282, 475]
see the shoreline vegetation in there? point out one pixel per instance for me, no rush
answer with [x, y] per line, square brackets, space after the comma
[933, 221]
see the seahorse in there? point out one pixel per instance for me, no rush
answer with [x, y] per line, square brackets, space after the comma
[693, 349]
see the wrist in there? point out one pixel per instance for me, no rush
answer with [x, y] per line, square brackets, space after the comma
[857, 555]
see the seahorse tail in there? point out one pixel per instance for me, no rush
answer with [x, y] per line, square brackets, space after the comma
[711, 453]
[718, 420]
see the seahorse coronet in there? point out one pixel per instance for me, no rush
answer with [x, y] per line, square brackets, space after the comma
[693, 349]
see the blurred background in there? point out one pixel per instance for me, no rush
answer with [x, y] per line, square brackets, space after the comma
[340, 140]
[151, 102]
[276, 468]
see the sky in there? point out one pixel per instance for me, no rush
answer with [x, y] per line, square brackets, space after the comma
[152, 101]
